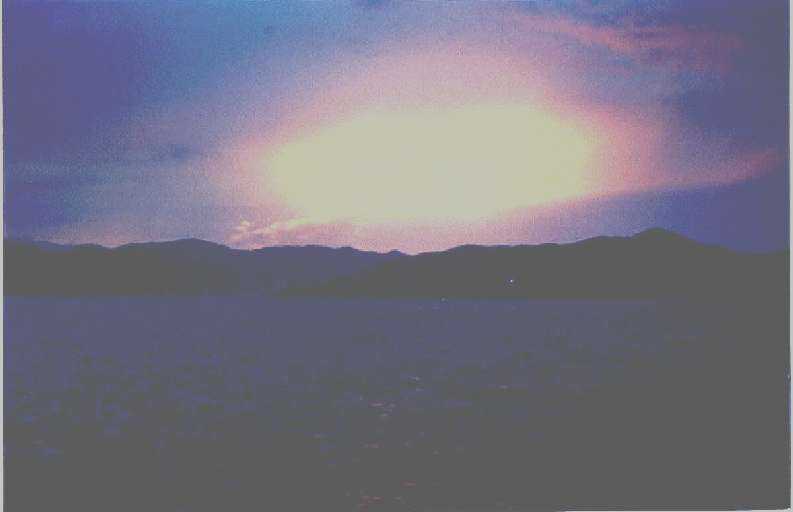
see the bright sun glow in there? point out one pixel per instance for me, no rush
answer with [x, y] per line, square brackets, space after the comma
[456, 164]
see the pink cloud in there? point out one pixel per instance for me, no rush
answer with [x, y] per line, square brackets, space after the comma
[296, 231]
[668, 45]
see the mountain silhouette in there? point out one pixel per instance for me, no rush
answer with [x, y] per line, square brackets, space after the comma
[652, 264]
[179, 267]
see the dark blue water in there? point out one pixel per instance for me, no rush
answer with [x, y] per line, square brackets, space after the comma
[243, 403]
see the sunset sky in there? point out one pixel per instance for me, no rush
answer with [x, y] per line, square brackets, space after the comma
[396, 125]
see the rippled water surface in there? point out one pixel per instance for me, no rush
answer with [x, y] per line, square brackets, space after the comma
[256, 403]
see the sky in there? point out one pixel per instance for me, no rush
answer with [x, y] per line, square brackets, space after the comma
[385, 125]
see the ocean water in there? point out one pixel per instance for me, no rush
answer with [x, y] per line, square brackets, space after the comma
[261, 403]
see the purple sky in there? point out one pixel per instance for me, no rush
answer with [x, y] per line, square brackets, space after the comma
[415, 126]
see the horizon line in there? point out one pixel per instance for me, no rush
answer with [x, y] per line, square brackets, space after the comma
[655, 229]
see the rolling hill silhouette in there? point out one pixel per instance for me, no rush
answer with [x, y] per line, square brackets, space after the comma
[181, 267]
[652, 264]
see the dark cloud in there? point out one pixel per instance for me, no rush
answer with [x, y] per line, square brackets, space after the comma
[72, 71]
